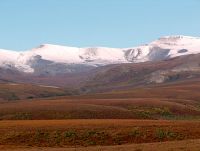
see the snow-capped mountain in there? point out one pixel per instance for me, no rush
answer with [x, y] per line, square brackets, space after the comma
[163, 48]
[54, 59]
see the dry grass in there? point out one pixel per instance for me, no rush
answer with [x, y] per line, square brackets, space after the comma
[13, 92]
[65, 133]
[186, 145]
[168, 101]
[172, 101]
[130, 108]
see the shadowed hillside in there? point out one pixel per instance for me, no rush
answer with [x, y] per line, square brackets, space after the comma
[15, 91]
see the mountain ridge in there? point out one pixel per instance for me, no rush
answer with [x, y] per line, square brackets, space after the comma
[55, 59]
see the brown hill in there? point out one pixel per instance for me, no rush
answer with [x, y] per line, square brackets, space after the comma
[168, 101]
[17, 91]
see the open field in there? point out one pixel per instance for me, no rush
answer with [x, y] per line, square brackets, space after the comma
[169, 101]
[70, 133]
[136, 108]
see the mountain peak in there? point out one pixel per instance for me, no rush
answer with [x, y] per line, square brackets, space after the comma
[177, 37]
[44, 45]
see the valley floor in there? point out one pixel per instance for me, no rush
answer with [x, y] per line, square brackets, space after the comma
[99, 134]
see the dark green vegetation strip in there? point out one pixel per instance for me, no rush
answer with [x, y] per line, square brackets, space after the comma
[72, 137]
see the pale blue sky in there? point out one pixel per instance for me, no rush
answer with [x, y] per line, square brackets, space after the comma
[25, 24]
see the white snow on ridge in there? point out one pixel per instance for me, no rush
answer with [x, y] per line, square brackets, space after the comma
[157, 50]
[165, 47]
[177, 43]
[57, 53]
[8, 55]
[77, 55]
[9, 59]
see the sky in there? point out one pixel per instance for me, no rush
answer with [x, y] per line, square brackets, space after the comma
[25, 24]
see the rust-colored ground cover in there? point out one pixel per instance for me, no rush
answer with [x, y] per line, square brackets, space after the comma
[69, 133]
[184, 145]
[122, 108]
[165, 101]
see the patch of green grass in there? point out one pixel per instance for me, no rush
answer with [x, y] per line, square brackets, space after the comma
[57, 137]
[162, 111]
[162, 134]
[148, 112]
[91, 133]
[41, 135]
[135, 132]
[69, 134]
[22, 116]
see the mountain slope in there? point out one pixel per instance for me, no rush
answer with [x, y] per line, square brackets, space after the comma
[117, 76]
[122, 76]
